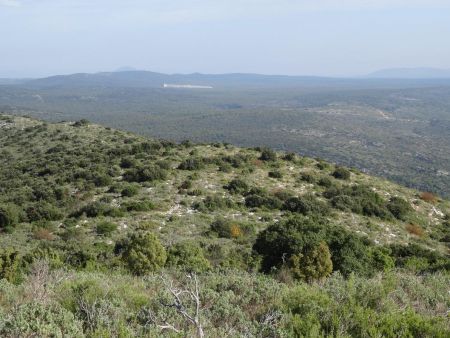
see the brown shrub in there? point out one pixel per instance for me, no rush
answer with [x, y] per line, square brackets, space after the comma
[235, 231]
[257, 163]
[428, 197]
[415, 229]
[43, 234]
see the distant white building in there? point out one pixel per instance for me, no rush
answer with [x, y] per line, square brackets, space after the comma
[187, 86]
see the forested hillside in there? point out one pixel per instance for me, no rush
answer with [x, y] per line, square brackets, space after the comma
[108, 234]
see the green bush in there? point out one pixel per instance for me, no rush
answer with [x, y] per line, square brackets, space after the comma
[268, 155]
[9, 216]
[188, 256]
[230, 229]
[142, 253]
[212, 203]
[301, 235]
[10, 262]
[399, 208]
[192, 164]
[130, 190]
[307, 204]
[275, 174]
[106, 228]
[341, 173]
[237, 186]
[147, 173]
[38, 320]
[140, 206]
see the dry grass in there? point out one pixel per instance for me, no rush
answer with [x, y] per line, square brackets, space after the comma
[43, 234]
[415, 230]
[428, 197]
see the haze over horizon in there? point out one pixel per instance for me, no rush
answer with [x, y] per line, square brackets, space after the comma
[325, 38]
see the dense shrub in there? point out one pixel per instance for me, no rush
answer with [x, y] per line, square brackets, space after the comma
[230, 229]
[140, 205]
[316, 264]
[142, 253]
[399, 208]
[43, 211]
[188, 256]
[300, 236]
[130, 190]
[9, 216]
[268, 155]
[106, 228]
[276, 174]
[341, 173]
[192, 164]
[39, 320]
[211, 203]
[237, 186]
[147, 173]
[307, 204]
[359, 199]
[10, 261]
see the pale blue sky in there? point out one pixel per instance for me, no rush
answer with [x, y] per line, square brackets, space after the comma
[304, 37]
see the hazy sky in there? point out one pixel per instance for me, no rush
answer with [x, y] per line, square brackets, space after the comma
[303, 37]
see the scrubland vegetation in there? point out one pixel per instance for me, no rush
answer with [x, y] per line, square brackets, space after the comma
[109, 234]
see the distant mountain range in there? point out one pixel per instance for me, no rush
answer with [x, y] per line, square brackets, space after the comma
[126, 77]
[411, 73]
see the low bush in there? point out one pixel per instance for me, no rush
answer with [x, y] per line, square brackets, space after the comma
[105, 228]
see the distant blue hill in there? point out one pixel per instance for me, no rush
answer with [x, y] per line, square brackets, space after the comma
[411, 73]
[147, 79]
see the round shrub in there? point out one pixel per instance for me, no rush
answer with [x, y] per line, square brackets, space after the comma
[106, 228]
[275, 174]
[399, 208]
[341, 173]
[142, 252]
[9, 216]
[237, 186]
[189, 256]
[130, 190]
[39, 320]
[268, 155]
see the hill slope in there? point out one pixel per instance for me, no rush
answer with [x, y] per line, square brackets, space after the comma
[110, 204]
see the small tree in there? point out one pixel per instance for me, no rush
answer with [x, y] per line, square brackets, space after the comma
[9, 216]
[189, 256]
[268, 155]
[142, 252]
[316, 264]
[341, 173]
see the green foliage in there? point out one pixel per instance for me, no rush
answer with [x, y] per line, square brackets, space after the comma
[192, 164]
[307, 204]
[341, 173]
[189, 256]
[147, 173]
[142, 252]
[231, 229]
[276, 174]
[39, 320]
[268, 155]
[314, 265]
[140, 205]
[399, 208]
[237, 186]
[106, 228]
[358, 199]
[10, 261]
[300, 236]
[130, 190]
[9, 216]
[211, 203]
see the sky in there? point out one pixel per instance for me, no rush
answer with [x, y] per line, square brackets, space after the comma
[294, 37]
